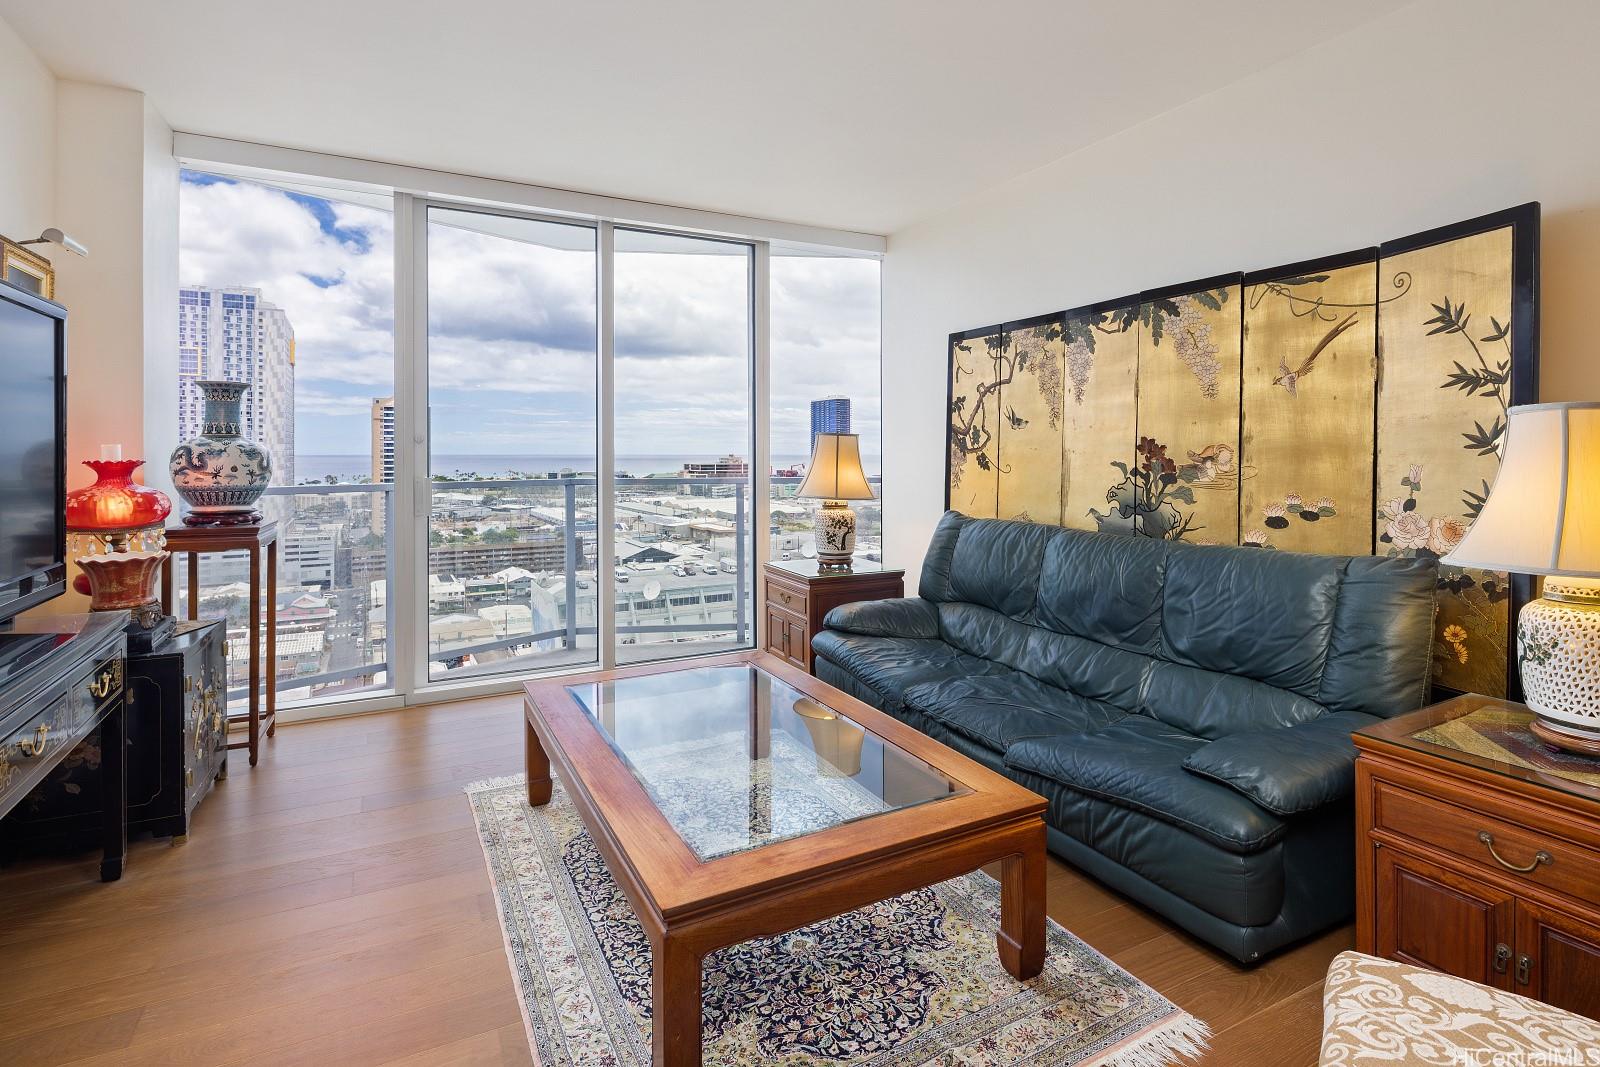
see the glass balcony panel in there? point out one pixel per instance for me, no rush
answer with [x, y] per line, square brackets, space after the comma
[332, 610]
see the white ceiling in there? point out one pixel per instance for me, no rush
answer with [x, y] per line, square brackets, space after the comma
[855, 114]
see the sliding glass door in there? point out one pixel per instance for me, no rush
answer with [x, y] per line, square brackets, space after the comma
[512, 421]
[527, 564]
[684, 444]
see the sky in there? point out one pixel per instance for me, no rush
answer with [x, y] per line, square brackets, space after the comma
[511, 327]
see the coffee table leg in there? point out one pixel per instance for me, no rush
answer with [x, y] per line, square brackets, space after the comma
[674, 1004]
[1021, 935]
[538, 768]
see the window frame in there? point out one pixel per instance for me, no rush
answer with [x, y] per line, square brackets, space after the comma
[412, 192]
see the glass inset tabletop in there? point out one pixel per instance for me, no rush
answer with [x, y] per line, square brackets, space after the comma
[736, 758]
[1492, 735]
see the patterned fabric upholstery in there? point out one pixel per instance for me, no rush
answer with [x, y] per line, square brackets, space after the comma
[1381, 1012]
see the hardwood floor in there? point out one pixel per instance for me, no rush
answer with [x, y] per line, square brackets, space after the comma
[332, 906]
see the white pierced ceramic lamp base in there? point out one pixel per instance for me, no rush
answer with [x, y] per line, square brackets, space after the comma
[835, 532]
[1558, 656]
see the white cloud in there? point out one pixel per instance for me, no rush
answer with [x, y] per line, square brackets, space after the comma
[514, 322]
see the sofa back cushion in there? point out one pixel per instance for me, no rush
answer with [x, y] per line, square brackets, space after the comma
[996, 565]
[1259, 614]
[1212, 640]
[1103, 588]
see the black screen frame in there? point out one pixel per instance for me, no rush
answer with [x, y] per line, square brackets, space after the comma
[19, 592]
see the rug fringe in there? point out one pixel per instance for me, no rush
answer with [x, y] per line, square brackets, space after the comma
[1181, 1037]
[484, 784]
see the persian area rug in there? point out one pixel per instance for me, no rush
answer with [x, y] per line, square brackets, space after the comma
[910, 982]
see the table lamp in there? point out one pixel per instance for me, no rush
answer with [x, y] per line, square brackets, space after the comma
[834, 477]
[117, 534]
[1543, 517]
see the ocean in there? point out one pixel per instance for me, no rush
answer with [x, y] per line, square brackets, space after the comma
[358, 468]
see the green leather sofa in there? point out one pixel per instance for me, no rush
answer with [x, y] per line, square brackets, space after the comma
[1186, 710]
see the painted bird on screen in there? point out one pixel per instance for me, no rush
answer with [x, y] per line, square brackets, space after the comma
[1290, 379]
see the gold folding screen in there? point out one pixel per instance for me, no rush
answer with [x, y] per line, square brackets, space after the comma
[1349, 405]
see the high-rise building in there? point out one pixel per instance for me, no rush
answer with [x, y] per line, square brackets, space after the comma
[383, 439]
[382, 454]
[831, 414]
[231, 333]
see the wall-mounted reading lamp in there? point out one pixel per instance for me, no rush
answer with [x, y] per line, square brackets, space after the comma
[54, 236]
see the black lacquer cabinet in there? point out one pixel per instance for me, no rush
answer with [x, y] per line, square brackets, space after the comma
[177, 723]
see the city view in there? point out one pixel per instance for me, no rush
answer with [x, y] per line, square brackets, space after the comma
[511, 577]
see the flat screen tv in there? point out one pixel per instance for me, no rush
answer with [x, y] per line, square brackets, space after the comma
[33, 450]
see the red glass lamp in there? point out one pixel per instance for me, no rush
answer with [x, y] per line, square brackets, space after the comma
[117, 526]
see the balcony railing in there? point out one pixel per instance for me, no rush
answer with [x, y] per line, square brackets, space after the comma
[353, 642]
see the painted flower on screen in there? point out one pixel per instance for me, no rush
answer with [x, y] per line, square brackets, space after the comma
[1408, 530]
[1445, 533]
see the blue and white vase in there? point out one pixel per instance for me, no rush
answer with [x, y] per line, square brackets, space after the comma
[219, 474]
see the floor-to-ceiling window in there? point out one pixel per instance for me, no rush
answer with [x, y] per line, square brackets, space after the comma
[562, 463]
[292, 292]
[825, 377]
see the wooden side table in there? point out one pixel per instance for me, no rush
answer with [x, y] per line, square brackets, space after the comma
[799, 594]
[1478, 851]
[257, 540]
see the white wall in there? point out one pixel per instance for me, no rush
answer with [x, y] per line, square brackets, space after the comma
[27, 140]
[1444, 110]
[117, 192]
[97, 162]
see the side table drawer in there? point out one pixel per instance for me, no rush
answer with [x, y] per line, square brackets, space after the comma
[1488, 843]
[782, 596]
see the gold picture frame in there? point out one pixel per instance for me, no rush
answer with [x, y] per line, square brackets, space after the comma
[26, 269]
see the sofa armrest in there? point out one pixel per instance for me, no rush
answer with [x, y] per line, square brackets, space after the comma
[909, 616]
[1289, 770]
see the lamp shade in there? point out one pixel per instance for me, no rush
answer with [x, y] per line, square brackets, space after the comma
[835, 472]
[115, 502]
[1543, 514]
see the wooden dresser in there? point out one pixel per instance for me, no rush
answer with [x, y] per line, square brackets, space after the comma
[1478, 851]
[799, 594]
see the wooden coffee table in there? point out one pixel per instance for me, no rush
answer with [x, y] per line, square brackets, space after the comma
[736, 797]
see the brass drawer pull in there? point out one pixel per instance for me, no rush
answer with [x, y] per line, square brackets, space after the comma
[35, 747]
[1538, 857]
[101, 689]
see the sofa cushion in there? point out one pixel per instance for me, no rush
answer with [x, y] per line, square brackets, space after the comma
[996, 565]
[1088, 668]
[999, 710]
[890, 665]
[1255, 614]
[1287, 771]
[1211, 705]
[934, 582]
[1380, 650]
[1106, 589]
[1137, 762]
[984, 632]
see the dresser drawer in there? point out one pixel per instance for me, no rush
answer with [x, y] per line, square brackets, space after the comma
[34, 742]
[784, 597]
[96, 687]
[1487, 843]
